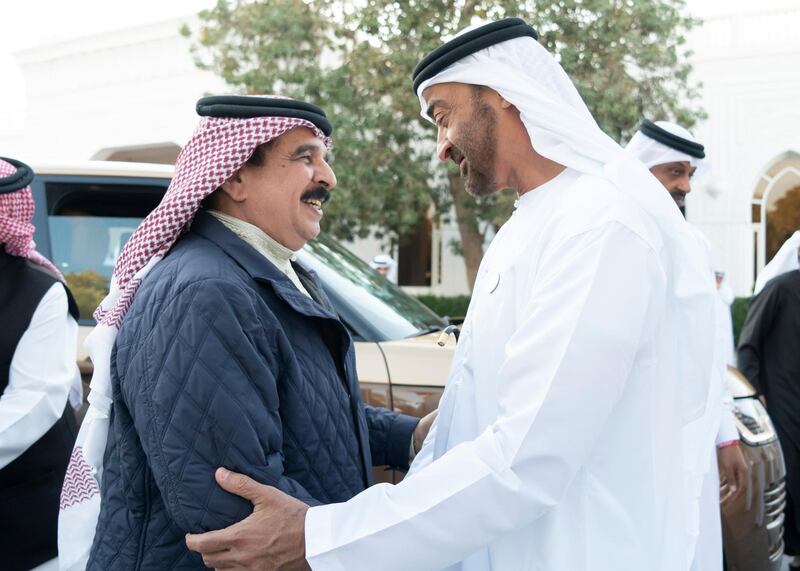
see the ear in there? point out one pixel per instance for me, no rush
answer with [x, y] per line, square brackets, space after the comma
[234, 187]
[504, 104]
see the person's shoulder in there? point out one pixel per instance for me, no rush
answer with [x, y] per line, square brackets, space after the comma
[198, 275]
[167, 303]
[44, 286]
[784, 282]
[37, 273]
[194, 259]
[593, 202]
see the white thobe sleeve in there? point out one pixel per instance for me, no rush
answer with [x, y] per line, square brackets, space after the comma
[727, 427]
[42, 372]
[565, 367]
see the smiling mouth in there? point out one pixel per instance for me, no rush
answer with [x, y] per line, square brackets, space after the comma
[315, 202]
[316, 197]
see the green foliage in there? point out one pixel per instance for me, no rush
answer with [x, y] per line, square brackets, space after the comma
[739, 309]
[444, 305]
[627, 59]
[88, 288]
[355, 59]
[302, 49]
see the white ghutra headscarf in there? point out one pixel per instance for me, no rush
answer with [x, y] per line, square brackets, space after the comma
[652, 152]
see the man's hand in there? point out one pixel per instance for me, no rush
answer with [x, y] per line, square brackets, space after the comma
[272, 538]
[422, 429]
[732, 469]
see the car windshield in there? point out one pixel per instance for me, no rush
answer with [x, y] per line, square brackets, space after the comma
[88, 223]
[374, 308]
[85, 249]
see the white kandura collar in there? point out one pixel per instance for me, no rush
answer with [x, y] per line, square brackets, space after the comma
[567, 175]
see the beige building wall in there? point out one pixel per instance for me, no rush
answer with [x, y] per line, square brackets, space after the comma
[117, 91]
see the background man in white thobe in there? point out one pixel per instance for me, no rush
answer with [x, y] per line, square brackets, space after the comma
[386, 266]
[557, 445]
[674, 156]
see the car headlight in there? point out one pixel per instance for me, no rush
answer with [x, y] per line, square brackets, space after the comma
[753, 422]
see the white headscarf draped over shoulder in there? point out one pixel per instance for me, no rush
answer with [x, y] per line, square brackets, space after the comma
[784, 261]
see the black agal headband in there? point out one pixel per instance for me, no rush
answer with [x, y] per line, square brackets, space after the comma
[672, 140]
[18, 180]
[469, 43]
[248, 106]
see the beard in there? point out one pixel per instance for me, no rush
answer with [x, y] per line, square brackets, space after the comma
[479, 149]
[680, 199]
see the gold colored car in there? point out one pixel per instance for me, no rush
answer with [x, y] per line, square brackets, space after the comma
[86, 211]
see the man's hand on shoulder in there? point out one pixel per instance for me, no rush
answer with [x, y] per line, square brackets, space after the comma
[272, 538]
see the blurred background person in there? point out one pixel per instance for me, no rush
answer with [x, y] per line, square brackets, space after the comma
[386, 266]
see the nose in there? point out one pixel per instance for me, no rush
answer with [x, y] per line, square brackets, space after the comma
[443, 146]
[324, 176]
[684, 185]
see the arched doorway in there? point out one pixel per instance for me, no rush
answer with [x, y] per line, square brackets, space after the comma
[776, 206]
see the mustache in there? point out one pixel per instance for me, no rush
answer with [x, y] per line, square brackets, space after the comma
[317, 193]
[456, 155]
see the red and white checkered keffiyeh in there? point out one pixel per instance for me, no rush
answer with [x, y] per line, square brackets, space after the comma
[16, 229]
[218, 148]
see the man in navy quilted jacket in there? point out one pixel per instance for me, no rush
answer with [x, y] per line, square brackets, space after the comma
[229, 354]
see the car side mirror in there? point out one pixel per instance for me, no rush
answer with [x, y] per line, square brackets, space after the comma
[446, 332]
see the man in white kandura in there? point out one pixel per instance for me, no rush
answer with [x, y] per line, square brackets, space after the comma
[675, 157]
[558, 443]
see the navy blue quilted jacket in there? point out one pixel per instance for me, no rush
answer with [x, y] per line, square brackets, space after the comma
[221, 361]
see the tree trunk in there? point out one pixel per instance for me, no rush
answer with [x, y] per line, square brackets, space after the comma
[466, 217]
[467, 220]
